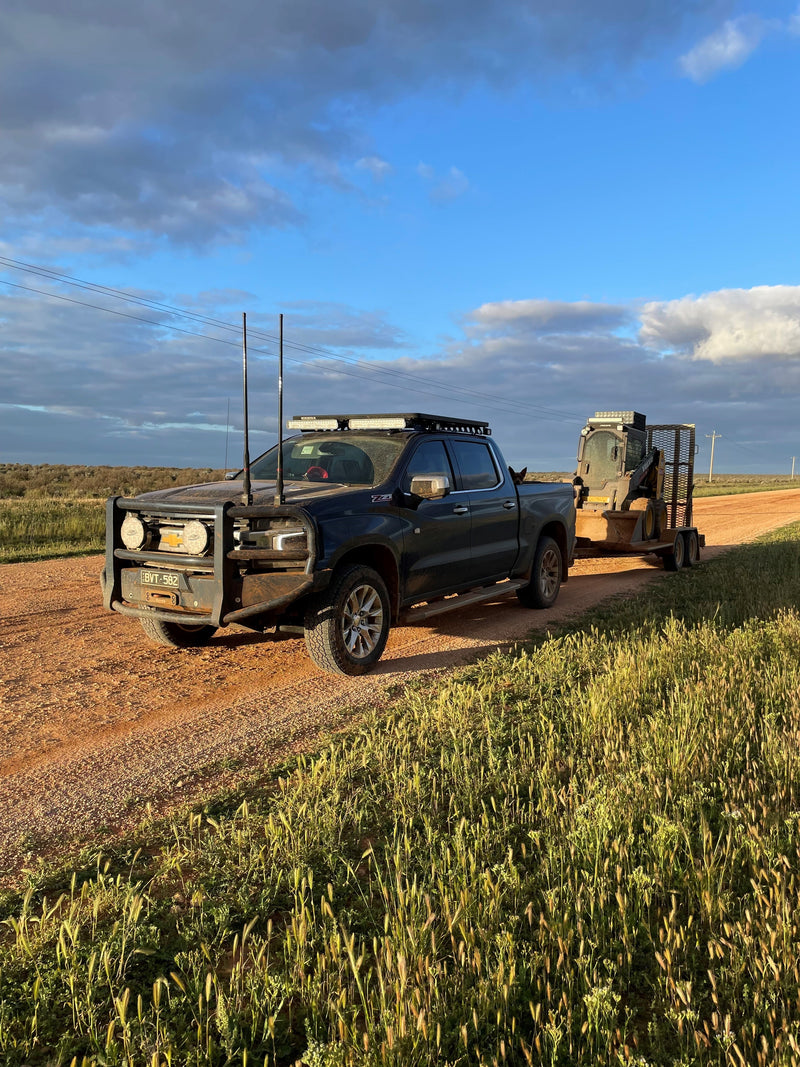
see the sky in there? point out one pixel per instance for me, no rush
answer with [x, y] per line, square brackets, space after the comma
[496, 209]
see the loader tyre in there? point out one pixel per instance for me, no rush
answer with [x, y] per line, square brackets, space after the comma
[542, 590]
[649, 517]
[176, 634]
[347, 626]
[675, 558]
[692, 548]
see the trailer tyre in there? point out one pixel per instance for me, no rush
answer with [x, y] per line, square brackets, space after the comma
[176, 634]
[674, 560]
[692, 548]
[542, 591]
[346, 628]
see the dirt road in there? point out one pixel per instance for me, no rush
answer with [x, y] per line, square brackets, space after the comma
[97, 722]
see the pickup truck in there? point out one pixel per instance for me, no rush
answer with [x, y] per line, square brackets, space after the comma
[379, 518]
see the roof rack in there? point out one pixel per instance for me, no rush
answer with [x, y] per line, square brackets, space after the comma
[391, 421]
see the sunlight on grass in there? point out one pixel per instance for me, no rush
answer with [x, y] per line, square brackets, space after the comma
[586, 852]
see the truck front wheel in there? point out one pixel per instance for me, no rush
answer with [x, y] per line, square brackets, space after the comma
[175, 634]
[346, 628]
[542, 590]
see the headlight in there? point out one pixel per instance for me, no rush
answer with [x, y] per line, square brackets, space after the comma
[133, 532]
[195, 538]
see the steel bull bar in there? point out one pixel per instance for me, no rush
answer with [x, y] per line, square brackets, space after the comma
[233, 598]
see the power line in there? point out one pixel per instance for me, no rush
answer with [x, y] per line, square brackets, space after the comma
[518, 407]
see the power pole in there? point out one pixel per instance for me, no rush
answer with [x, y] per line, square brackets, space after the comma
[793, 459]
[713, 435]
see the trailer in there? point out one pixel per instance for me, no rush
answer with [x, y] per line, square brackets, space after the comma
[633, 489]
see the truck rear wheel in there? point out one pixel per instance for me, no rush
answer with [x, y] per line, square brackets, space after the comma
[347, 627]
[542, 591]
[176, 634]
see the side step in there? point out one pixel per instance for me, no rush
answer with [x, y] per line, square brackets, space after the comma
[460, 600]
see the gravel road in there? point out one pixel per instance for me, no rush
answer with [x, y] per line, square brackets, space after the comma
[97, 723]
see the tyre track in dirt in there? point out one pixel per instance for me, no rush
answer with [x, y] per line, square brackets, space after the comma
[97, 723]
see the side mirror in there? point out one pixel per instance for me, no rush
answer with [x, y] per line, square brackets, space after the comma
[230, 475]
[430, 486]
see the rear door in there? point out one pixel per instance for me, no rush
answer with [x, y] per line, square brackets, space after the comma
[492, 500]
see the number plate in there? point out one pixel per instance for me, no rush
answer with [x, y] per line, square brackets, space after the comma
[159, 579]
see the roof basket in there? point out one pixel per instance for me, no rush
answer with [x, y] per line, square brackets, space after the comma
[390, 421]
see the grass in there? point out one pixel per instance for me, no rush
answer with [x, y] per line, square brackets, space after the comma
[585, 852]
[725, 484]
[54, 510]
[43, 529]
[721, 485]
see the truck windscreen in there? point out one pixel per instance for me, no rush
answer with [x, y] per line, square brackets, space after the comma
[347, 458]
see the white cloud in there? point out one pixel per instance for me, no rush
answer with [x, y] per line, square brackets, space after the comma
[728, 325]
[446, 188]
[535, 368]
[725, 49]
[377, 167]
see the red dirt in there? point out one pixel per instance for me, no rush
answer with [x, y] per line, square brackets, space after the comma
[97, 722]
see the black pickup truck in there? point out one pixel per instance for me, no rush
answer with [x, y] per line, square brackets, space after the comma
[382, 517]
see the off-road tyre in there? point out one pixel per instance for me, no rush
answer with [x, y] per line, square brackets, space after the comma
[674, 559]
[347, 626]
[692, 555]
[176, 634]
[542, 590]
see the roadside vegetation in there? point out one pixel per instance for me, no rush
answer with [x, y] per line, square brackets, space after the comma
[51, 510]
[583, 851]
[721, 485]
[725, 484]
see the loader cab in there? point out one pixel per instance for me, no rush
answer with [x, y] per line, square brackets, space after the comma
[612, 444]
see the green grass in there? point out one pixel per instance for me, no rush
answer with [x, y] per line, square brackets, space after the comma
[54, 510]
[49, 511]
[59, 480]
[721, 485]
[41, 529]
[585, 852]
[725, 484]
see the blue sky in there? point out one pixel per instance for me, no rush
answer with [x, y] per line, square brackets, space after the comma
[499, 210]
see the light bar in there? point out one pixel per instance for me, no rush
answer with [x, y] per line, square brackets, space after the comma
[398, 422]
[312, 422]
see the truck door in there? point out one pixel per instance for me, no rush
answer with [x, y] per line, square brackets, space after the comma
[494, 507]
[436, 533]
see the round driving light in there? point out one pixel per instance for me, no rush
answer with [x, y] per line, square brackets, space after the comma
[195, 537]
[133, 532]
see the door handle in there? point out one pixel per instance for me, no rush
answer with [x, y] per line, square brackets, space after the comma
[460, 509]
[509, 505]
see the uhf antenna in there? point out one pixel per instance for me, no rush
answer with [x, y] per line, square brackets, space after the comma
[246, 494]
[279, 479]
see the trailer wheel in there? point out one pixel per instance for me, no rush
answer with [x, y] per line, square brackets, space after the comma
[674, 560]
[542, 590]
[692, 548]
[176, 634]
[346, 628]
